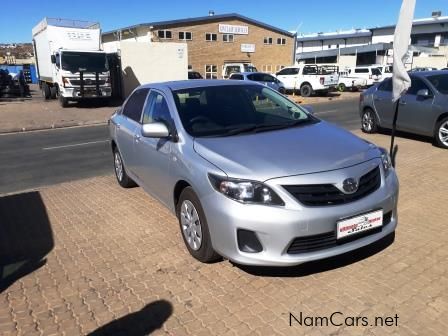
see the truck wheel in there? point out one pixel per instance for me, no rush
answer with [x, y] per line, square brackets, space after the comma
[45, 91]
[341, 87]
[53, 92]
[63, 101]
[306, 90]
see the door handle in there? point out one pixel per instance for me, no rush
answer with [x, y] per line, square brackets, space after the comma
[118, 126]
[137, 137]
[402, 102]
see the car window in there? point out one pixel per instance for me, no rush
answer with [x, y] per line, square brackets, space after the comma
[376, 72]
[134, 105]
[267, 78]
[310, 70]
[236, 77]
[288, 71]
[416, 85]
[385, 85]
[440, 82]
[362, 70]
[156, 109]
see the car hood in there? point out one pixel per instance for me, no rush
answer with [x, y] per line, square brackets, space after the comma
[295, 151]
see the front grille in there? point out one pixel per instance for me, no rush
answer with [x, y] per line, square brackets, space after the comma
[326, 240]
[87, 81]
[328, 194]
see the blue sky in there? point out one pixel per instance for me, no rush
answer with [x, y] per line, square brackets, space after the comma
[16, 21]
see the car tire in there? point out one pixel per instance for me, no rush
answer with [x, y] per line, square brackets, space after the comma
[53, 92]
[45, 91]
[63, 101]
[441, 134]
[306, 90]
[194, 228]
[369, 122]
[282, 90]
[341, 87]
[120, 171]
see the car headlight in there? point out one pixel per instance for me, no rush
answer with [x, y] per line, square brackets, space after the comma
[386, 161]
[245, 191]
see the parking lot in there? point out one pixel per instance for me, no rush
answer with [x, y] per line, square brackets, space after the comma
[117, 265]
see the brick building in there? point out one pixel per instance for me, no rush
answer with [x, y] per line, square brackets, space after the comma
[215, 40]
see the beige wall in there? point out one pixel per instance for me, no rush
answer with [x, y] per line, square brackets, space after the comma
[156, 62]
[438, 62]
[346, 61]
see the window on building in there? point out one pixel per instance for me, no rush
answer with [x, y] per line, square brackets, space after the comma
[211, 71]
[267, 68]
[329, 46]
[337, 46]
[281, 41]
[279, 67]
[424, 40]
[268, 40]
[211, 37]
[227, 37]
[190, 67]
[185, 36]
[165, 34]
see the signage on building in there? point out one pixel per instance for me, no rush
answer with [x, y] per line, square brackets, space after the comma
[247, 47]
[232, 29]
[75, 35]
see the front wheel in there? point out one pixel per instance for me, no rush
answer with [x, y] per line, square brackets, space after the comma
[369, 123]
[194, 227]
[63, 101]
[282, 90]
[306, 90]
[441, 133]
[45, 91]
[120, 172]
[341, 87]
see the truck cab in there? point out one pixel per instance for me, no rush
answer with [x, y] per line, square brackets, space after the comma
[237, 67]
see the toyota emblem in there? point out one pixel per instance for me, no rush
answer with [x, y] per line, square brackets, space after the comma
[350, 185]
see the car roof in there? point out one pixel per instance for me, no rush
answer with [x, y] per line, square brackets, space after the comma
[429, 73]
[191, 84]
[250, 73]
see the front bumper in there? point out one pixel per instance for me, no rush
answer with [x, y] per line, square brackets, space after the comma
[277, 227]
[89, 92]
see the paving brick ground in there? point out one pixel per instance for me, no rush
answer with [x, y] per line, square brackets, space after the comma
[119, 267]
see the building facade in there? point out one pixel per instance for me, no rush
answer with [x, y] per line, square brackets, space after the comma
[216, 40]
[428, 43]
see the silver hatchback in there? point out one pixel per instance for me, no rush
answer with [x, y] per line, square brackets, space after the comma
[252, 176]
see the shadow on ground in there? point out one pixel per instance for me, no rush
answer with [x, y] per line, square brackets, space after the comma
[324, 265]
[143, 322]
[25, 236]
[409, 136]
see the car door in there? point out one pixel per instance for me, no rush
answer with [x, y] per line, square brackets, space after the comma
[127, 123]
[415, 112]
[382, 101]
[153, 154]
[288, 77]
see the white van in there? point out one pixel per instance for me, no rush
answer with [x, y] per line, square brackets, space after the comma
[371, 73]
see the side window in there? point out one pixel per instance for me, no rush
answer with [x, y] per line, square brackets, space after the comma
[386, 85]
[295, 71]
[236, 77]
[156, 110]
[416, 85]
[362, 70]
[283, 72]
[58, 60]
[255, 77]
[134, 105]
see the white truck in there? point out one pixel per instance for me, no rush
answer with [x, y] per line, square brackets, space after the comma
[69, 60]
[346, 81]
[231, 67]
[308, 79]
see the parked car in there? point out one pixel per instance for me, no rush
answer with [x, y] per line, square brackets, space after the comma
[230, 68]
[308, 79]
[346, 81]
[261, 77]
[386, 71]
[422, 110]
[371, 73]
[250, 175]
[194, 75]
[418, 69]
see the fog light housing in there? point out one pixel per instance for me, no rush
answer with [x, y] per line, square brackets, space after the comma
[248, 241]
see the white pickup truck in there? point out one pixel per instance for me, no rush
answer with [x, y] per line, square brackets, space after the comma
[347, 81]
[308, 79]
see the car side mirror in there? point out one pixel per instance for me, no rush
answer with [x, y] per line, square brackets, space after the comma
[155, 130]
[308, 108]
[424, 93]
[53, 59]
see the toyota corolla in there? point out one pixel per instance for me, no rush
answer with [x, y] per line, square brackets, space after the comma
[252, 176]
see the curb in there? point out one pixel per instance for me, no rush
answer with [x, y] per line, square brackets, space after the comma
[52, 126]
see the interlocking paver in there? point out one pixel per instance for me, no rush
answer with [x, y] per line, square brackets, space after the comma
[119, 264]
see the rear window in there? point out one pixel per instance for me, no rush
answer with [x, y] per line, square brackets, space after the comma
[376, 72]
[440, 82]
[362, 70]
[236, 77]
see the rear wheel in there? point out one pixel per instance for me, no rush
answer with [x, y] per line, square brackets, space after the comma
[341, 87]
[45, 89]
[369, 123]
[441, 133]
[63, 101]
[282, 90]
[306, 90]
[120, 172]
[194, 227]
[53, 92]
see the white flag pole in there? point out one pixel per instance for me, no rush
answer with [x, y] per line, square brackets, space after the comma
[400, 79]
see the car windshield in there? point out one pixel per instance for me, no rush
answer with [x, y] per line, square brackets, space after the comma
[84, 61]
[236, 109]
[250, 68]
[440, 82]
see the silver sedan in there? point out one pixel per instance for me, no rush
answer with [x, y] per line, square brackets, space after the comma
[252, 176]
[422, 110]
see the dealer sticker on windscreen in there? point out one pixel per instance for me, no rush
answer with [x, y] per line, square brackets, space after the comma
[359, 224]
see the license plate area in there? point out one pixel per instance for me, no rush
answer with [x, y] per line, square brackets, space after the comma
[358, 224]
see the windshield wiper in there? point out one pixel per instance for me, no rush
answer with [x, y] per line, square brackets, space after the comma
[263, 128]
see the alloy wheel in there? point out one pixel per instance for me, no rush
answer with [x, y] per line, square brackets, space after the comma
[191, 225]
[367, 121]
[118, 166]
[443, 133]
